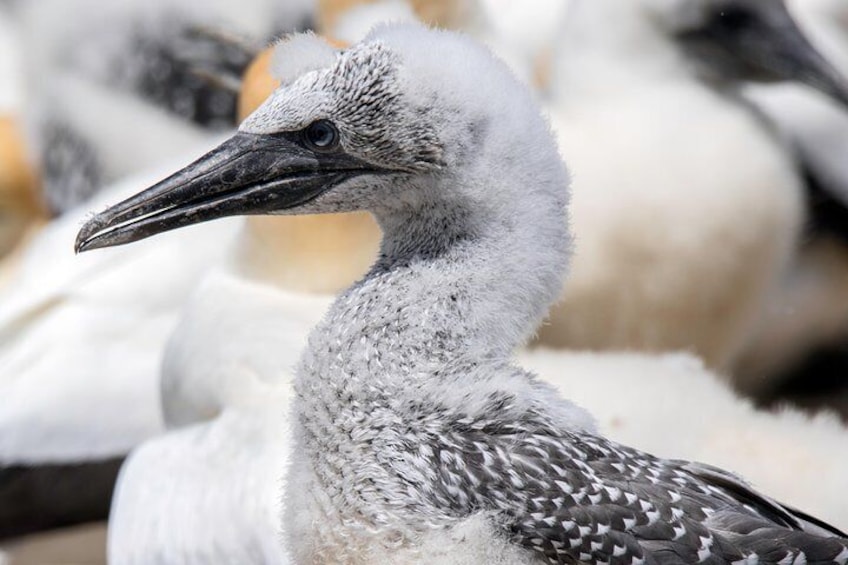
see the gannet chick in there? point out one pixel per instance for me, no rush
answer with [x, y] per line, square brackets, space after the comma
[681, 240]
[207, 490]
[416, 438]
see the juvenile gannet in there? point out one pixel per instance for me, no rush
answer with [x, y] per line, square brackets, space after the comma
[688, 206]
[224, 391]
[416, 439]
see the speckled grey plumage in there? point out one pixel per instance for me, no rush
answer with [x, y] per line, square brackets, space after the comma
[411, 418]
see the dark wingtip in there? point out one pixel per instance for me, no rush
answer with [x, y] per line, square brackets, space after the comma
[34, 498]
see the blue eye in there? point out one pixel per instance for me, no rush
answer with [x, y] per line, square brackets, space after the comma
[322, 135]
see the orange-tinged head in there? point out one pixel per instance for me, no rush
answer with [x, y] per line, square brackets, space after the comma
[450, 14]
[20, 204]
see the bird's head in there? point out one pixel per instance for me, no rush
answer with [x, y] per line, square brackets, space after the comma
[408, 120]
[748, 40]
[722, 42]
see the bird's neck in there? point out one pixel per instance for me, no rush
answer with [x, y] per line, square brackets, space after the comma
[448, 287]
[320, 254]
[456, 287]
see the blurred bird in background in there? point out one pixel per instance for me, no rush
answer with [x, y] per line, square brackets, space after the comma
[154, 68]
[799, 353]
[81, 342]
[688, 212]
[687, 207]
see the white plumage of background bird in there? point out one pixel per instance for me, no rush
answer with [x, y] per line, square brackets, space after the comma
[112, 90]
[687, 207]
[81, 341]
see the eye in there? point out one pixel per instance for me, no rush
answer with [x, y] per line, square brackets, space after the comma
[321, 135]
[735, 17]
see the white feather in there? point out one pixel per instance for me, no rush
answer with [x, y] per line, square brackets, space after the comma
[82, 336]
[210, 489]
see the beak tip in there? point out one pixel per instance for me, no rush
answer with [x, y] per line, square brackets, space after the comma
[80, 245]
[86, 235]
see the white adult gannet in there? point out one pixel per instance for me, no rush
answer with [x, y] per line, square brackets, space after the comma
[688, 206]
[80, 347]
[416, 438]
[19, 206]
[801, 341]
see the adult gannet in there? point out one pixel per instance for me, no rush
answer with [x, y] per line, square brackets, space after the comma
[799, 351]
[416, 438]
[688, 206]
[80, 348]
[19, 206]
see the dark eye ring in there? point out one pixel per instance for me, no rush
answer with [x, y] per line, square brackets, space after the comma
[321, 135]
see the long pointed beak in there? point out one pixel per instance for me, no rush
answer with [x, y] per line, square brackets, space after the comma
[247, 174]
[760, 41]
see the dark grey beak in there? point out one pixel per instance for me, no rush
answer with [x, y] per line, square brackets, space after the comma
[758, 40]
[247, 174]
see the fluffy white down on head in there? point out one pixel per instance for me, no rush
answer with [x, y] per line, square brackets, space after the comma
[494, 151]
[507, 161]
[299, 53]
